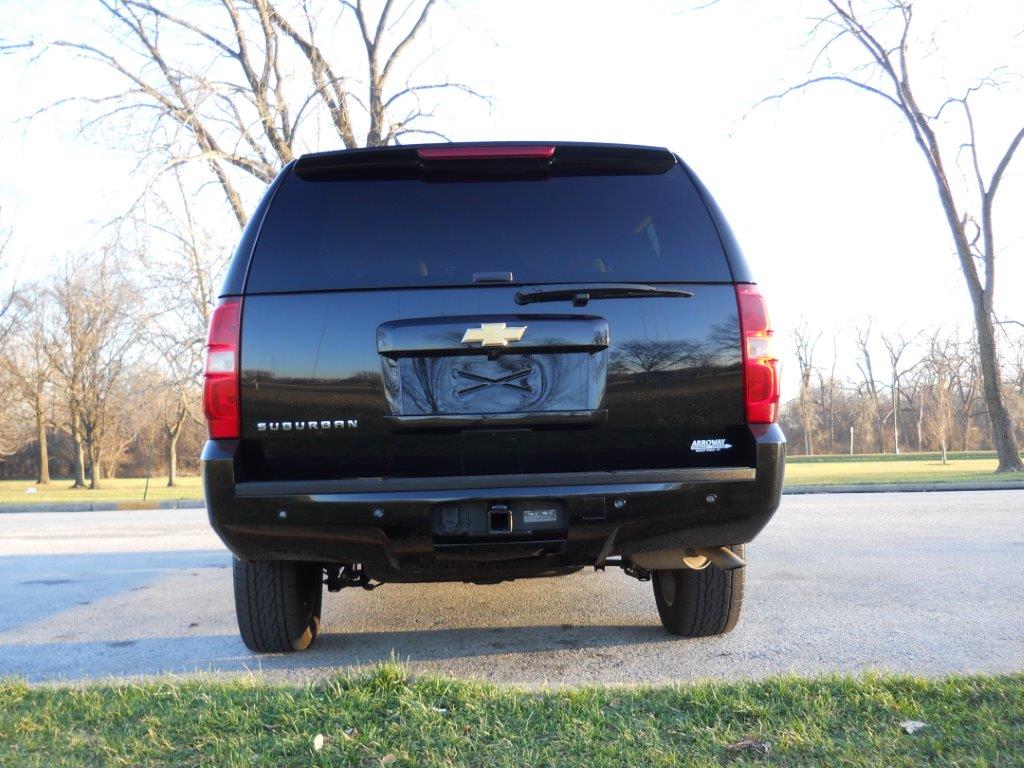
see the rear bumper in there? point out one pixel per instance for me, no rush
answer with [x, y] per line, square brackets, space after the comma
[386, 524]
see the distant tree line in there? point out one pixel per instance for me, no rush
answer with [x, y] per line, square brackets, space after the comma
[910, 393]
[88, 395]
[101, 361]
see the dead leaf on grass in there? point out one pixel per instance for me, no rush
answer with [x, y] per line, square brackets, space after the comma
[759, 748]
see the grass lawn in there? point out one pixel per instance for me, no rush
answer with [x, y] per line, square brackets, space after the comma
[387, 718]
[122, 489]
[897, 469]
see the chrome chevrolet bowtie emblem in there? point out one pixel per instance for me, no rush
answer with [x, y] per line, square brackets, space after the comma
[493, 335]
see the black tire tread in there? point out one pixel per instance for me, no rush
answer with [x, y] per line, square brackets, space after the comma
[269, 605]
[707, 602]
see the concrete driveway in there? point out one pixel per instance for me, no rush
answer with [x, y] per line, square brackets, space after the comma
[926, 583]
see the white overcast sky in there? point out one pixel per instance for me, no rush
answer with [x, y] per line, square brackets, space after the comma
[831, 202]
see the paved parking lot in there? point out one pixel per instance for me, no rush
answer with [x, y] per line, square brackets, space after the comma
[917, 582]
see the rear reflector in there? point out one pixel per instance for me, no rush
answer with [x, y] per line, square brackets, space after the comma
[486, 153]
[220, 377]
[760, 365]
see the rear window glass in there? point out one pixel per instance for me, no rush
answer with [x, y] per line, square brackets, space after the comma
[403, 233]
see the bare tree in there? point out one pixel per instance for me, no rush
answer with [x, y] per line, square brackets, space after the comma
[916, 384]
[126, 424]
[939, 363]
[1017, 383]
[29, 369]
[9, 319]
[92, 345]
[966, 380]
[827, 388]
[871, 396]
[896, 347]
[243, 86]
[885, 74]
[805, 341]
[182, 276]
[9, 296]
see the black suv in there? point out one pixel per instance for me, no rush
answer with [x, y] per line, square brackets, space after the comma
[485, 362]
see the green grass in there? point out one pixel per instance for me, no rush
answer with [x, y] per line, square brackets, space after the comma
[899, 470]
[844, 458]
[120, 490]
[388, 718]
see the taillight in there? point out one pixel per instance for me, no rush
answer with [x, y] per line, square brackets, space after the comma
[220, 376]
[760, 365]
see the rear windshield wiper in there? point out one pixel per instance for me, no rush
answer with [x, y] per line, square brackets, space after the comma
[580, 294]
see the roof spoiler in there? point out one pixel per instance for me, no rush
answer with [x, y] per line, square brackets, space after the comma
[484, 160]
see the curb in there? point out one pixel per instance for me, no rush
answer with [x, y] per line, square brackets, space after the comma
[789, 490]
[1008, 485]
[111, 506]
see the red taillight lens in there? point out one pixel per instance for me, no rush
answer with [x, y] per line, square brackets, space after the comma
[220, 377]
[760, 365]
[485, 152]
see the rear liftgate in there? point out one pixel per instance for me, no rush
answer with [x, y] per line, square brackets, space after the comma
[496, 372]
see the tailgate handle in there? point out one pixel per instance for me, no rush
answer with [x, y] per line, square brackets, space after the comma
[584, 419]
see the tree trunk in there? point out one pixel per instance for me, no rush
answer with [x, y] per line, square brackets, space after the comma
[981, 301]
[172, 459]
[896, 422]
[920, 425]
[44, 453]
[95, 475]
[832, 414]
[79, 457]
[1002, 426]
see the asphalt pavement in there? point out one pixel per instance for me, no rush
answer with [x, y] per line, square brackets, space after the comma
[927, 583]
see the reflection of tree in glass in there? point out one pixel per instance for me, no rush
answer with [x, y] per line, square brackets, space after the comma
[423, 386]
[724, 337]
[640, 356]
[555, 382]
[646, 356]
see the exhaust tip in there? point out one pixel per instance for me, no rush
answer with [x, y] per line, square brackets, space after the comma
[723, 558]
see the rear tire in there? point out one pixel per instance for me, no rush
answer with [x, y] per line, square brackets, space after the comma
[278, 604]
[699, 603]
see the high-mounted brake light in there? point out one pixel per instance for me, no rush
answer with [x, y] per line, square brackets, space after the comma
[760, 365]
[220, 377]
[486, 153]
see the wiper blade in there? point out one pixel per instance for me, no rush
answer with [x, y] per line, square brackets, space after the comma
[580, 294]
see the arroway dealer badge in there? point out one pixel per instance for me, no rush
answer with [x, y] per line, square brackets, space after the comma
[710, 446]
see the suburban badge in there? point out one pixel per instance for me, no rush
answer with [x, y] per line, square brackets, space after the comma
[288, 426]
